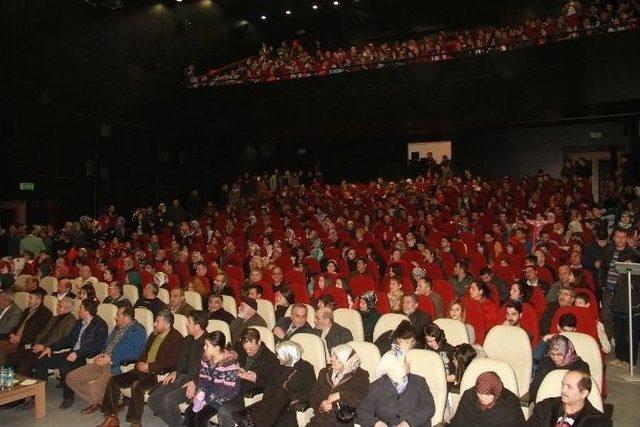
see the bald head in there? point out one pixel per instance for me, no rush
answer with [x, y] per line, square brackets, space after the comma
[324, 318]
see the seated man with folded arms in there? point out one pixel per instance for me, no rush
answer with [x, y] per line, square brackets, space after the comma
[86, 339]
[58, 327]
[33, 319]
[160, 355]
[125, 343]
[166, 399]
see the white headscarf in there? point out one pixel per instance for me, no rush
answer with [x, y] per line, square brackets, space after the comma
[348, 358]
[288, 352]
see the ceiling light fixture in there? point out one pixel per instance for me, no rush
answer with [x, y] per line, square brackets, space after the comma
[314, 7]
[264, 18]
[288, 12]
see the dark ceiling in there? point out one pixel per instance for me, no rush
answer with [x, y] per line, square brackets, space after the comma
[166, 35]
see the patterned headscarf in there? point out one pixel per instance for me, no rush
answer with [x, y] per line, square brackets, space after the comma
[392, 364]
[349, 360]
[562, 344]
[370, 299]
[489, 383]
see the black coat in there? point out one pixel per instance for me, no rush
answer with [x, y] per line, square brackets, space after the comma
[382, 403]
[352, 388]
[546, 366]
[264, 364]
[337, 335]
[547, 412]
[34, 325]
[286, 386]
[505, 413]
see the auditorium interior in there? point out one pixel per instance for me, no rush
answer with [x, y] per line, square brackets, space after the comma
[325, 212]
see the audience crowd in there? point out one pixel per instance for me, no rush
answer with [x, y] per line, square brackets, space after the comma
[294, 61]
[263, 283]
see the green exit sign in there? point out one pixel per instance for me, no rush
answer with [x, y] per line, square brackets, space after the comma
[27, 186]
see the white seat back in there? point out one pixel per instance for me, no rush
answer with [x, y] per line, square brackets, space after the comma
[101, 290]
[163, 295]
[485, 364]
[387, 322]
[428, 364]
[131, 293]
[511, 345]
[551, 386]
[21, 281]
[108, 312]
[311, 314]
[21, 299]
[145, 317]
[194, 299]
[369, 357]
[51, 303]
[229, 304]
[266, 311]
[266, 336]
[454, 330]
[219, 325]
[350, 319]
[587, 348]
[180, 324]
[49, 284]
[313, 350]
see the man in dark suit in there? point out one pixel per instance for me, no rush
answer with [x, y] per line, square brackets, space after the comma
[257, 365]
[58, 327]
[330, 332]
[85, 340]
[34, 318]
[10, 313]
[150, 299]
[572, 407]
[217, 311]
[64, 290]
[418, 318]
[160, 355]
[286, 327]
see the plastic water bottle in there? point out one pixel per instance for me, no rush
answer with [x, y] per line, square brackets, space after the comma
[3, 377]
[9, 377]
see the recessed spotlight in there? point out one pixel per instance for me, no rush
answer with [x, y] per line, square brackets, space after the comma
[288, 12]
[179, 1]
[314, 7]
[264, 18]
[336, 3]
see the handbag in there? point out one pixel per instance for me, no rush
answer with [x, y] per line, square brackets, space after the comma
[345, 414]
[244, 418]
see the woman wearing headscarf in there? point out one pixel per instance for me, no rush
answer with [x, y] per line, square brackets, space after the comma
[560, 355]
[369, 313]
[285, 390]
[339, 389]
[397, 398]
[488, 404]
